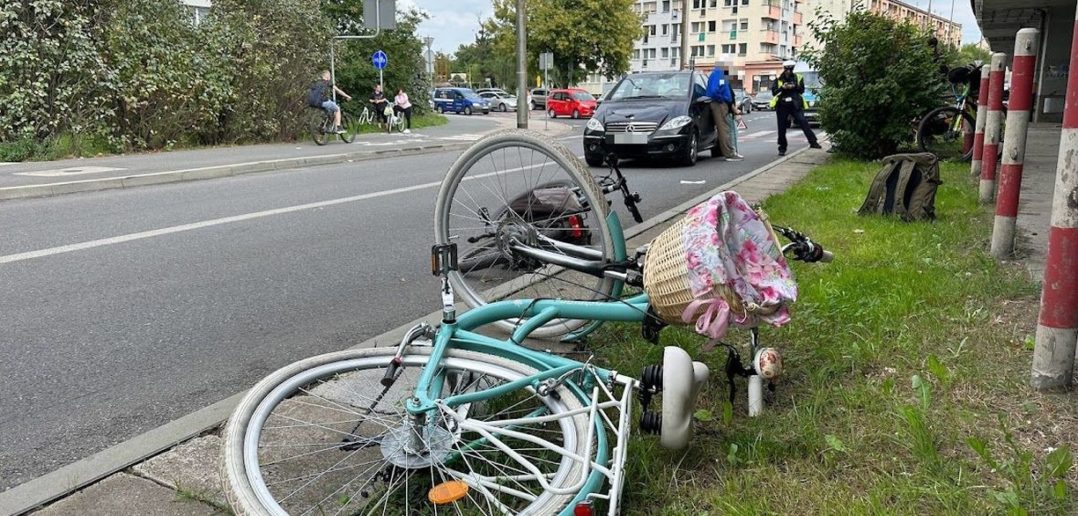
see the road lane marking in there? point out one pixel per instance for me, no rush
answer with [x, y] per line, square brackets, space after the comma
[757, 134]
[70, 171]
[236, 218]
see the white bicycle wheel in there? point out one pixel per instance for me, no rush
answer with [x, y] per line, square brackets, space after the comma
[323, 436]
[485, 201]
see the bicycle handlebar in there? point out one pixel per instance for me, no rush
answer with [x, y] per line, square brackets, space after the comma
[803, 248]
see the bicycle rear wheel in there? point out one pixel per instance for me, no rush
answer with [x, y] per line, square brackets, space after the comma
[489, 198]
[317, 126]
[941, 134]
[323, 436]
[349, 134]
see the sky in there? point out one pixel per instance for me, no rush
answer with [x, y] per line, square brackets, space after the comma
[455, 22]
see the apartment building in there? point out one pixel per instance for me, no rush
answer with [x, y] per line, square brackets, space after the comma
[748, 39]
[945, 30]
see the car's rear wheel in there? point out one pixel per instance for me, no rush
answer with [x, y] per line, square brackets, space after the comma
[689, 154]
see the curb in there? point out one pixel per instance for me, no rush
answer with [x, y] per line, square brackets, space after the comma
[195, 174]
[236, 169]
[68, 479]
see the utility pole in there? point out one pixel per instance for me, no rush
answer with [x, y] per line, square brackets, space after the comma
[430, 58]
[522, 66]
[685, 34]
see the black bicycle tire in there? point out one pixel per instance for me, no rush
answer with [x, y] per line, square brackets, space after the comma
[922, 128]
[315, 127]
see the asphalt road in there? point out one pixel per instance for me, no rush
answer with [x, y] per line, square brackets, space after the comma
[125, 309]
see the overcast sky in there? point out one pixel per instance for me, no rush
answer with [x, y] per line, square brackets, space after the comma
[455, 22]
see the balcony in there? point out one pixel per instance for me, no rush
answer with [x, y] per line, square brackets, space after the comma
[797, 41]
[798, 19]
[769, 36]
[774, 12]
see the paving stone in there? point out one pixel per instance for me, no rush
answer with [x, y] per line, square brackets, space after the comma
[191, 467]
[123, 494]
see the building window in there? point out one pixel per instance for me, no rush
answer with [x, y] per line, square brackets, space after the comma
[698, 50]
[666, 29]
[666, 6]
[666, 52]
[743, 49]
[652, 30]
[728, 49]
[744, 25]
[711, 26]
[729, 3]
[713, 4]
[711, 50]
[697, 4]
[636, 54]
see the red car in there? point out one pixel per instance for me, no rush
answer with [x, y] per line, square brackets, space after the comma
[571, 102]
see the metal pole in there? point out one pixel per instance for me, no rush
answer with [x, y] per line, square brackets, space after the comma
[684, 34]
[1014, 142]
[1057, 329]
[332, 73]
[950, 23]
[990, 157]
[522, 66]
[982, 116]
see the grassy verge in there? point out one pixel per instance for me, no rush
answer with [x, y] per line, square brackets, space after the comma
[906, 385]
[418, 122]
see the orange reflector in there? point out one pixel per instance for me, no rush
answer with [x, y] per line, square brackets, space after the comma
[447, 492]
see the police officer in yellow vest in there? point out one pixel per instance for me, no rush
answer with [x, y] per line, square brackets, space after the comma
[787, 102]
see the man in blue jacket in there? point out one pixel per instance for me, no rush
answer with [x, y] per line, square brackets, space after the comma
[722, 99]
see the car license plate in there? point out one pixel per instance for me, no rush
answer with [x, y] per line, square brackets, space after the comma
[630, 138]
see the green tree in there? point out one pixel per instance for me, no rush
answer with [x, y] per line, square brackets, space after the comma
[969, 53]
[585, 36]
[356, 74]
[871, 92]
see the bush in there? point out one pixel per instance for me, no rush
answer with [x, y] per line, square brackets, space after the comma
[171, 81]
[275, 48]
[52, 73]
[878, 77]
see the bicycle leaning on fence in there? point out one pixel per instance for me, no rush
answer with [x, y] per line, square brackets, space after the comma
[450, 419]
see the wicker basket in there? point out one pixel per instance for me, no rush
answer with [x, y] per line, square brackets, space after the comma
[666, 277]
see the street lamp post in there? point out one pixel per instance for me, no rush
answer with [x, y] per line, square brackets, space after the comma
[430, 58]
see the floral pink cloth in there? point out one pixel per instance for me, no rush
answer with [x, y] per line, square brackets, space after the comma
[727, 243]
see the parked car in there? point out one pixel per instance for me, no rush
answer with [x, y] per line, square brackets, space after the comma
[812, 92]
[742, 100]
[460, 100]
[653, 114]
[762, 100]
[573, 103]
[499, 100]
[538, 98]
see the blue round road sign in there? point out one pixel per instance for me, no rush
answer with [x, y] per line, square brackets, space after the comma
[379, 59]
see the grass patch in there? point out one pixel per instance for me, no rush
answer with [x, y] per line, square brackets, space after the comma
[906, 385]
[418, 122]
[65, 145]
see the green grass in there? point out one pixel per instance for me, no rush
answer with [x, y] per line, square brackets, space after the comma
[418, 122]
[906, 384]
[65, 145]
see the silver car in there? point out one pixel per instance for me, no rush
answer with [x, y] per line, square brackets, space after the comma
[500, 100]
[538, 98]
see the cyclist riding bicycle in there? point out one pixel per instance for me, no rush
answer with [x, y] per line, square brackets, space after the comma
[319, 96]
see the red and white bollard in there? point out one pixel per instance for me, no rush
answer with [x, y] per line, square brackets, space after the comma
[992, 124]
[1014, 141]
[1057, 329]
[982, 114]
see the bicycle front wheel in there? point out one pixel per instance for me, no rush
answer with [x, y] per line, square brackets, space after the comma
[941, 132]
[349, 134]
[323, 436]
[511, 187]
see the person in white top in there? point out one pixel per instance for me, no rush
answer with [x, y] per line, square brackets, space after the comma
[402, 105]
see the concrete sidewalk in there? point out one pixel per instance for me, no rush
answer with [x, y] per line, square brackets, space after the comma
[1035, 199]
[175, 470]
[45, 178]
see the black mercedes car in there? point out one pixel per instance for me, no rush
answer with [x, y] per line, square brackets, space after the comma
[652, 114]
